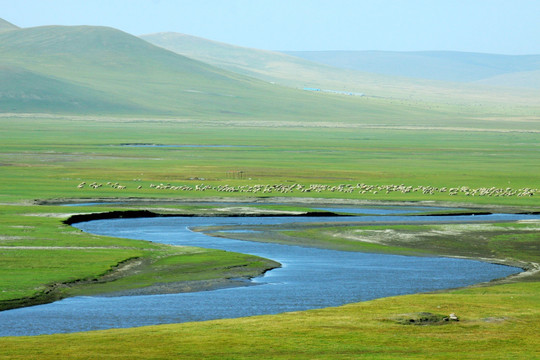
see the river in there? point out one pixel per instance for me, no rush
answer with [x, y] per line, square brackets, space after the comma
[309, 278]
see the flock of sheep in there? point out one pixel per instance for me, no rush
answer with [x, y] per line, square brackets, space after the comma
[343, 188]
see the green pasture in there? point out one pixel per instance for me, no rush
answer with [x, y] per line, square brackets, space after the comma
[49, 157]
[25, 271]
[76, 101]
[495, 322]
[386, 142]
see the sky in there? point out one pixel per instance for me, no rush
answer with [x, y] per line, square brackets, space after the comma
[488, 26]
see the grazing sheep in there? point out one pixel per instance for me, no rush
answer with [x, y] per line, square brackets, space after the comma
[342, 188]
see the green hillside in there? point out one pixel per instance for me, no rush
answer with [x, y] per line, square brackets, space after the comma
[279, 67]
[110, 65]
[100, 70]
[21, 89]
[7, 26]
[267, 65]
[296, 72]
[434, 65]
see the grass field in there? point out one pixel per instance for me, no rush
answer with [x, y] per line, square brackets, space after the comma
[61, 157]
[498, 322]
[45, 260]
[49, 157]
[157, 126]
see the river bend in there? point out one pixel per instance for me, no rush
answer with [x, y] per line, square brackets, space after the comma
[309, 278]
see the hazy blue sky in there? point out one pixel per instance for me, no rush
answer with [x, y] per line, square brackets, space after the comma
[491, 26]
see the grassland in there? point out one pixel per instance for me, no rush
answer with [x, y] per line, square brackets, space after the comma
[264, 135]
[48, 157]
[45, 260]
[96, 70]
[498, 322]
[38, 162]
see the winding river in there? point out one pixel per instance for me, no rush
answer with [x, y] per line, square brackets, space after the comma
[309, 278]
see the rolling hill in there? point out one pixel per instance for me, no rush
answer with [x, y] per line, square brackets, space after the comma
[271, 66]
[523, 79]
[433, 65]
[99, 69]
[21, 89]
[298, 72]
[266, 65]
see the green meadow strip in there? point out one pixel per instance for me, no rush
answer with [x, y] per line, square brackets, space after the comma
[45, 159]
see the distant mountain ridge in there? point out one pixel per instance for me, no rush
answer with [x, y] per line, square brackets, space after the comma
[293, 71]
[433, 65]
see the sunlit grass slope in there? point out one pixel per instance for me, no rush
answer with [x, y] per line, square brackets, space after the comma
[267, 65]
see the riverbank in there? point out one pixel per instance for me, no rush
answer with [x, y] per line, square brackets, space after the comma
[124, 279]
[396, 247]
[495, 321]
[46, 260]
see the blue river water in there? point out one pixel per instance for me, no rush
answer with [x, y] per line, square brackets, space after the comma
[309, 278]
